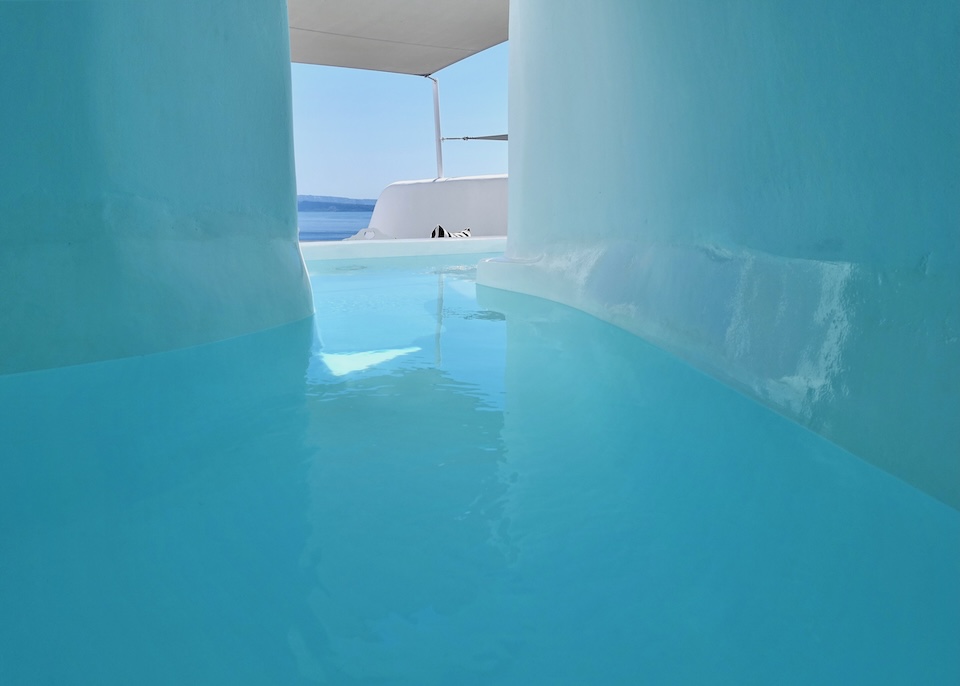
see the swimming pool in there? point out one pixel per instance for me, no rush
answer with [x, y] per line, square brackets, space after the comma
[430, 485]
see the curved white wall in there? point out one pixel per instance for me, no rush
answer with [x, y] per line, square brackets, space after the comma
[147, 195]
[770, 190]
[411, 209]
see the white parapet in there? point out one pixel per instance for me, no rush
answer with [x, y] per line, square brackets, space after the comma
[411, 209]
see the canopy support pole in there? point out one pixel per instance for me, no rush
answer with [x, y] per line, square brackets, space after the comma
[436, 124]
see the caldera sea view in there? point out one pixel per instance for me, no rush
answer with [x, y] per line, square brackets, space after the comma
[331, 218]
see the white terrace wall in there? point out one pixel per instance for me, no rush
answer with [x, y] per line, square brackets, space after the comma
[411, 209]
[769, 189]
[147, 195]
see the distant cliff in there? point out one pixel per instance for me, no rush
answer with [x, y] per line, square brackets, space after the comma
[330, 203]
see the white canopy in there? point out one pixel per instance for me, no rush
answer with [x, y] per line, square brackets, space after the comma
[403, 36]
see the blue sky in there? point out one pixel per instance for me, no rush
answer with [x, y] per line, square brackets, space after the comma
[357, 131]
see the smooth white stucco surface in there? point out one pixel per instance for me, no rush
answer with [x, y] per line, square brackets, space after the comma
[410, 247]
[411, 209]
[769, 190]
[147, 195]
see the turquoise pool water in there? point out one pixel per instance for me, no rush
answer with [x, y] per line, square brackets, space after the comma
[424, 486]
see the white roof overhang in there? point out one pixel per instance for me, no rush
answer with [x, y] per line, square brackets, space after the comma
[403, 36]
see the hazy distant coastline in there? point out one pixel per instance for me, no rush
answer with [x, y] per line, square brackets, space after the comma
[331, 218]
[331, 203]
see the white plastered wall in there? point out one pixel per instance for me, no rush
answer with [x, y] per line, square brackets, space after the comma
[411, 209]
[769, 190]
